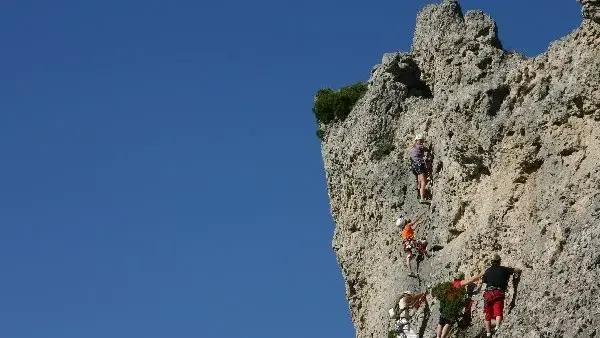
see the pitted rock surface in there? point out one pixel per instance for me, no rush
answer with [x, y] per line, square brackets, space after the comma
[516, 171]
[591, 9]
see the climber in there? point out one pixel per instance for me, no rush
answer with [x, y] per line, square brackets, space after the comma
[413, 247]
[448, 315]
[419, 165]
[467, 317]
[496, 279]
[401, 312]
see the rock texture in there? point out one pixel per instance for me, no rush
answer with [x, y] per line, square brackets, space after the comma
[591, 9]
[516, 171]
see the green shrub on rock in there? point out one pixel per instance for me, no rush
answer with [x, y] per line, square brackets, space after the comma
[332, 105]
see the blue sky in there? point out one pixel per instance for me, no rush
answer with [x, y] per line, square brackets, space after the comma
[160, 173]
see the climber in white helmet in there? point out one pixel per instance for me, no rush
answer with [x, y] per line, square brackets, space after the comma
[402, 312]
[419, 165]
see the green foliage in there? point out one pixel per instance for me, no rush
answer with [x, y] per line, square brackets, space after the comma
[452, 300]
[332, 105]
[392, 334]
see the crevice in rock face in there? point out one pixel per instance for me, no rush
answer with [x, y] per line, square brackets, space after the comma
[556, 253]
[400, 73]
[353, 228]
[439, 167]
[426, 315]
[354, 286]
[410, 75]
[351, 289]
[420, 89]
[459, 214]
[569, 151]
[578, 101]
[496, 97]
[584, 106]
[485, 63]
[453, 233]
[531, 167]
[485, 31]
[474, 167]
[437, 247]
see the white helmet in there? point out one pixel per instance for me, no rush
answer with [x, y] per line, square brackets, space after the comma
[400, 221]
[419, 137]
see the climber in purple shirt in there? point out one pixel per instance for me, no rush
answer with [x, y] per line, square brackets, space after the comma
[419, 166]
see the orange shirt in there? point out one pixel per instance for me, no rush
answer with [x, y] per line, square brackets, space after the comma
[408, 232]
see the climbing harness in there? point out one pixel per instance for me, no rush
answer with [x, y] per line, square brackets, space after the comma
[492, 294]
[415, 247]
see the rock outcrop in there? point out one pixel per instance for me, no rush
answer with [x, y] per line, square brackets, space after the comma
[516, 171]
[591, 9]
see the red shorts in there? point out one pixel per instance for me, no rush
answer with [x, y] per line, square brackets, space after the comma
[493, 309]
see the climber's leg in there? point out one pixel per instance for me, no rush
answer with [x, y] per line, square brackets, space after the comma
[498, 309]
[488, 328]
[489, 311]
[422, 185]
[445, 330]
[498, 322]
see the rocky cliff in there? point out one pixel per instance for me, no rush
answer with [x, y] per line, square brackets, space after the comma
[516, 171]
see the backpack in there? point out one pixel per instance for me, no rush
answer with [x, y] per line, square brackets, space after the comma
[452, 300]
[395, 311]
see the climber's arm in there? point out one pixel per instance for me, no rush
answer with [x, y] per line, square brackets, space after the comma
[470, 280]
[516, 273]
[414, 223]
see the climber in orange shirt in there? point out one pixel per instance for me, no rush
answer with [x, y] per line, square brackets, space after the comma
[411, 246]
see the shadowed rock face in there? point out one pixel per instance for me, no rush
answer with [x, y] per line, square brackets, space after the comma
[591, 9]
[516, 171]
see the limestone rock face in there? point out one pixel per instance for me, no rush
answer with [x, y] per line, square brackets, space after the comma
[516, 171]
[591, 9]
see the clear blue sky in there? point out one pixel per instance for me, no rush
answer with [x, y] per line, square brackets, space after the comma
[160, 175]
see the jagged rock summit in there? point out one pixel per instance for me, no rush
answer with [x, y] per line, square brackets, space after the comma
[591, 9]
[516, 171]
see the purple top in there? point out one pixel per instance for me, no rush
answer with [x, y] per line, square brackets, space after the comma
[417, 152]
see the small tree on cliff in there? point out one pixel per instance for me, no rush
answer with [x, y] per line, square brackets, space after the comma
[330, 105]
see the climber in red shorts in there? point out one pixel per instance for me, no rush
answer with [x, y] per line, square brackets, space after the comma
[496, 279]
